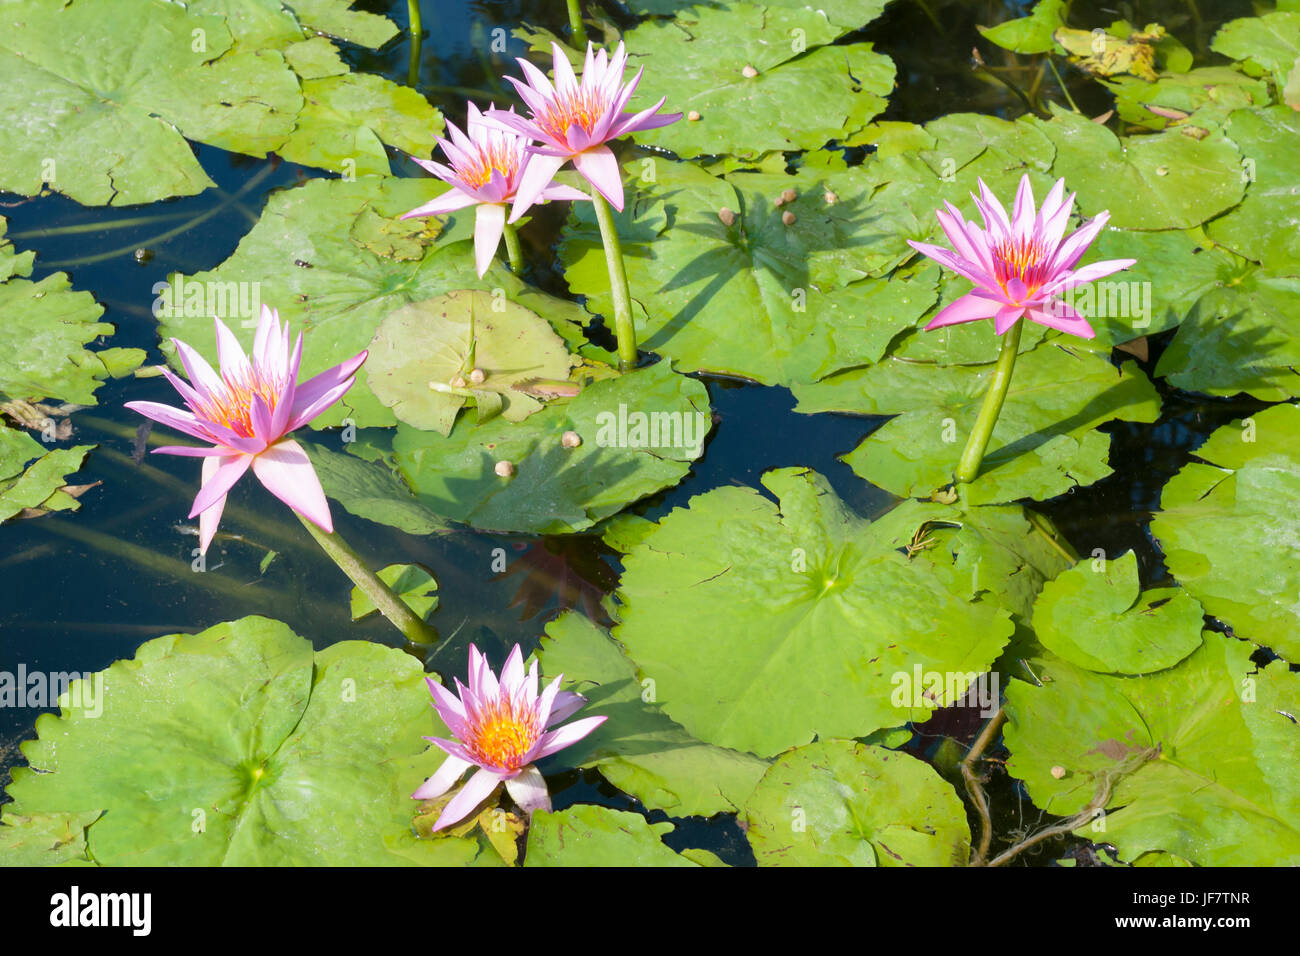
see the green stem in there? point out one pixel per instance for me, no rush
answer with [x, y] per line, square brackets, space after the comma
[389, 604]
[1061, 83]
[993, 399]
[576, 25]
[623, 324]
[417, 29]
[513, 250]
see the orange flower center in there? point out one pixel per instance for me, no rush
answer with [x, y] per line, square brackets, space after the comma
[503, 735]
[234, 407]
[581, 107]
[1019, 259]
[490, 157]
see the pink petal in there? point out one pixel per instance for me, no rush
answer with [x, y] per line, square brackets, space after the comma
[536, 79]
[991, 209]
[172, 418]
[1024, 209]
[219, 476]
[190, 451]
[968, 308]
[286, 471]
[556, 191]
[566, 705]
[477, 789]
[449, 201]
[958, 265]
[230, 355]
[197, 369]
[1077, 243]
[1060, 316]
[528, 789]
[321, 391]
[556, 740]
[1088, 273]
[599, 167]
[512, 675]
[564, 79]
[445, 702]
[210, 518]
[446, 776]
[489, 223]
[268, 328]
[1006, 317]
[648, 118]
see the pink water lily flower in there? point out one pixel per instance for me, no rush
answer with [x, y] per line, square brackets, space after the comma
[1019, 264]
[486, 169]
[574, 120]
[503, 728]
[246, 412]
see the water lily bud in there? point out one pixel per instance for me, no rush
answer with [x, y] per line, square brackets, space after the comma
[830, 198]
[749, 71]
[477, 376]
[789, 195]
[504, 468]
[693, 116]
[570, 439]
[1058, 772]
[458, 382]
[787, 217]
[727, 216]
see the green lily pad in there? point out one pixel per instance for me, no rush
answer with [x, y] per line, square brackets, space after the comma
[763, 626]
[1264, 226]
[699, 58]
[1210, 91]
[345, 116]
[122, 85]
[761, 299]
[302, 258]
[640, 749]
[1097, 619]
[336, 18]
[588, 835]
[1228, 534]
[843, 803]
[1198, 756]
[241, 746]
[1270, 41]
[443, 339]
[639, 433]
[371, 490]
[1044, 442]
[35, 485]
[1031, 34]
[315, 58]
[411, 583]
[1239, 337]
[1163, 181]
[45, 839]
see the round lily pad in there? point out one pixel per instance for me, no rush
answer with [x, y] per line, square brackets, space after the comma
[763, 625]
[240, 746]
[844, 803]
[587, 835]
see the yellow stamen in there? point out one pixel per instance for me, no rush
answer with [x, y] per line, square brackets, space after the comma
[503, 735]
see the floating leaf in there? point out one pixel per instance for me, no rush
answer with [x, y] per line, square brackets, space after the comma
[587, 835]
[121, 84]
[1197, 756]
[1228, 533]
[1031, 34]
[702, 59]
[1097, 619]
[843, 803]
[372, 490]
[1271, 41]
[1197, 95]
[639, 749]
[763, 626]
[45, 839]
[639, 433]
[240, 746]
[441, 340]
[1042, 446]
[24, 486]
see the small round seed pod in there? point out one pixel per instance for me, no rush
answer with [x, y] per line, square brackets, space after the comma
[787, 217]
[504, 468]
[459, 382]
[749, 71]
[727, 216]
[1058, 772]
[693, 116]
[831, 198]
[570, 439]
[789, 195]
[477, 376]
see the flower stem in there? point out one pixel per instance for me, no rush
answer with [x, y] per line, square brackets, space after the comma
[417, 29]
[993, 399]
[389, 604]
[515, 253]
[623, 324]
[576, 25]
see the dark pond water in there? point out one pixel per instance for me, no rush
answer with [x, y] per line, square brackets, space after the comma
[86, 589]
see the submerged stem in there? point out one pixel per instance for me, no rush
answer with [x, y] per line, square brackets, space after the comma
[576, 25]
[513, 251]
[971, 458]
[623, 324]
[389, 604]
